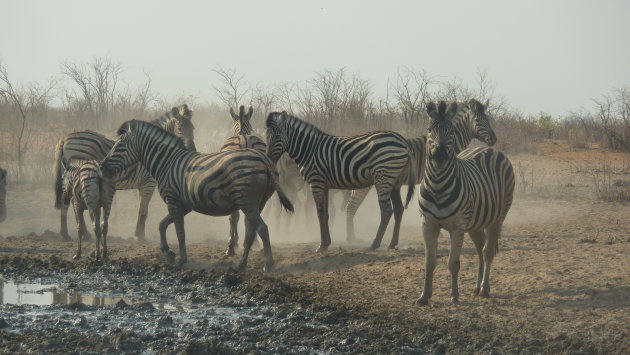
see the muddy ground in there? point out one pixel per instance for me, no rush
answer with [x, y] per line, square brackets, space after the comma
[560, 284]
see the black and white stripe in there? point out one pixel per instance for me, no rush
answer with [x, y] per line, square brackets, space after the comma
[333, 162]
[89, 145]
[470, 122]
[466, 193]
[85, 189]
[242, 138]
[213, 184]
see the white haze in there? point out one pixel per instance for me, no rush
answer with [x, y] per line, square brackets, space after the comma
[543, 56]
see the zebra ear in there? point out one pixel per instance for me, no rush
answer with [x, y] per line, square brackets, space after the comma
[175, 112]
[441, 109]
[475, 105]
[432, 110]
[451, 110]
[233, 114]
[486, 104]
[241, 111]
[249, 113]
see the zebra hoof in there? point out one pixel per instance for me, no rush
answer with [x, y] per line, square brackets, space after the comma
[484, 293]
[76, 256]
[321, 249]
[392, 247]
[455, 299]
[268, 267]
[422, 301]
[170, 257]
[230, 252]
[476, 291]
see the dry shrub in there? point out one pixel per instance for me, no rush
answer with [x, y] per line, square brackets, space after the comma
[608, 187]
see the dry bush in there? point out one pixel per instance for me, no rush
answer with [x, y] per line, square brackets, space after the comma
[608, 186]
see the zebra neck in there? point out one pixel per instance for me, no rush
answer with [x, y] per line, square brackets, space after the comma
[463, 132]
[303, 142]
[437, 178]
[158, 157]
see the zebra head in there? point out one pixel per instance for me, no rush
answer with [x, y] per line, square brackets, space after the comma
[3, 194]
[183, 127]
[241, 121]
[440, 134]
[124, 153]
[277, 139]
[480, 122]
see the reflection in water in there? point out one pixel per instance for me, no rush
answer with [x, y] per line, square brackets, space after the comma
[18, 293]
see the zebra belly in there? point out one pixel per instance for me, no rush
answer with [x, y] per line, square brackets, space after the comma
[457, 222]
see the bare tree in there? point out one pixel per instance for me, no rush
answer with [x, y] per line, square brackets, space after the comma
[411, 92]
[233, 87]
[96, 82]
[264, 99]
[25, 102]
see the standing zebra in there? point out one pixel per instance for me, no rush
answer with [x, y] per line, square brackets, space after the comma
[83, 186]
[213, 184]
[470, 192]
[326, 162]
[3, 194]
[470, 122]
[89, 145]
[241, 139]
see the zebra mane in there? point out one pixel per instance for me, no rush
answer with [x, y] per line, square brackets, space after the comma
[156, 131]
[274, 117]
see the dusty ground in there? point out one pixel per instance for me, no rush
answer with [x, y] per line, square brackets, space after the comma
[560, 284]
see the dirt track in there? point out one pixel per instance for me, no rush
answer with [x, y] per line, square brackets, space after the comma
[561, 283]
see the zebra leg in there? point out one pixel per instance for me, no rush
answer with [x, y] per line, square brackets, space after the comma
[478, 238]
[320, 195]
[234, 217]
[430, 233]
[457, 240]
[145, 194]
[95, 215]
[384, 200]
[169, 255]
[178, 219]
[490, 249]
[354, 201]
[78, 213]
[398, 213]
[250, 234]
[64, 222]
[107, 207]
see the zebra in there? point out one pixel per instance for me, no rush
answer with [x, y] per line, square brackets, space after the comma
[213, 184]
[84, 187]
[470, 192]
[3, 194]
[89, 145]
[327, 161]
[470, 122]
[241, 139]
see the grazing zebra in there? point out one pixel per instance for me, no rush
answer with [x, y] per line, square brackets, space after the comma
[469, 122]
[333, 162]
[3, 194]
[470, 192]
[83, 186]
[213, 184]
[89, 145]
[241, 139]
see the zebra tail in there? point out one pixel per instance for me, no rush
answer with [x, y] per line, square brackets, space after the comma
[57, 173]
[412, 176]
[284, 200]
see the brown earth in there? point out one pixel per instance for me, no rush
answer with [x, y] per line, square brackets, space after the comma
[560, 283]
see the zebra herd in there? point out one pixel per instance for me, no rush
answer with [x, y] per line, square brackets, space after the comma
[461, 190]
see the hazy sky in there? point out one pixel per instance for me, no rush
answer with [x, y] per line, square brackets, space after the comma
[543, 55]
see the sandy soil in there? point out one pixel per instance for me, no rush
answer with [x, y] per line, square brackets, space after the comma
[561, 282]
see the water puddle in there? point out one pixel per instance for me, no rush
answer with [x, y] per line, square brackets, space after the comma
[24, 293]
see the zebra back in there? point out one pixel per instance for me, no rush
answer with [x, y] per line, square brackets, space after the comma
[244, 141]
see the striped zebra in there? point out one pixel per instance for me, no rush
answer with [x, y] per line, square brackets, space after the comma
[3, 194]
[470, 192]
[89, 145]
[213, 184]
[470, 122]
[333, 162]
[242, 138]
[83, 186]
